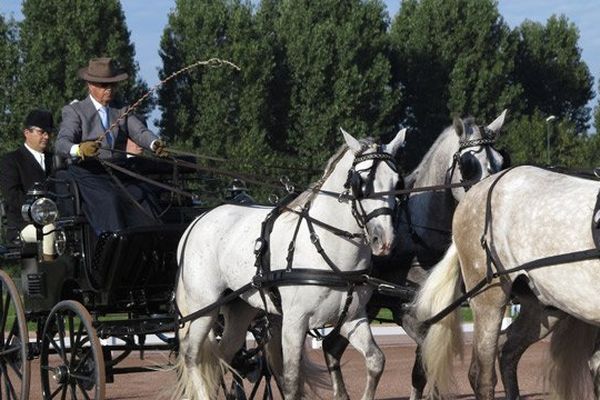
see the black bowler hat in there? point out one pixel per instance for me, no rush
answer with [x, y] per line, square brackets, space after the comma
[41, 119]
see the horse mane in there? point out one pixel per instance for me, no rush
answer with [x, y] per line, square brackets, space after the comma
[410, 179]
[428, 159]
[330, 165]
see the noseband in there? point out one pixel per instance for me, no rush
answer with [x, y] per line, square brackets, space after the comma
[360, 188]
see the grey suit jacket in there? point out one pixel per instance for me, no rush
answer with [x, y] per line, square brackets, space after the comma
[81, 122]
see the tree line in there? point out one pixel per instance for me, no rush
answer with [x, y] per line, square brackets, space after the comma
[310, 67]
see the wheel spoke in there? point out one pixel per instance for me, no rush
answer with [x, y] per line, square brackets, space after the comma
[83, 378]
[83, 391]
[4, 316]
[10, 387]
[59, 351]
[58, 389]
[74, 342]
[9, 351]
[60, 323]
[5, 383]
[82, 361]
[13, 332]
[1, 391]
[17, 371]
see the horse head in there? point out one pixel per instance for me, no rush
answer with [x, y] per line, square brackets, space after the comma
[371, 180]
[475, 157]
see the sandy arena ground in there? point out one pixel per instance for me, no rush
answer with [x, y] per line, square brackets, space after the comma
[394, 385]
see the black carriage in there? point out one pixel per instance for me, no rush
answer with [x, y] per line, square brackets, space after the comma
[100, 300]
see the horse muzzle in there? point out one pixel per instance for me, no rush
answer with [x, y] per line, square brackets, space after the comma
[381, 242]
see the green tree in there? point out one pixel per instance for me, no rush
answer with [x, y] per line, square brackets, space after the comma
[54, 49]
[532, 139]
[9, 58]
[219, 111]
[339, 74]
[555, 79]
[451, 58]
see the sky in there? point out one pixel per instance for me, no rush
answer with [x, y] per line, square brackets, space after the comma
[147, 18]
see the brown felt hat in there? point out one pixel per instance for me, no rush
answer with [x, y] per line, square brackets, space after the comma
[102, 70]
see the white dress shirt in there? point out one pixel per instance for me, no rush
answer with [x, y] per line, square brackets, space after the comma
[39, 157]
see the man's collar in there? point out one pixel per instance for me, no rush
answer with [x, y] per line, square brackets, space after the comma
[34, 152]
[95, 102]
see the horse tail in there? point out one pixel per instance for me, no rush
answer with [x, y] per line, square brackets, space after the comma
[444, 339]
[571, 347]
[314, 376]
[198, 368]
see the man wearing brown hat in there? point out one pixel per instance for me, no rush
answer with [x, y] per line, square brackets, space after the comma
[94, 127]
[21, 168]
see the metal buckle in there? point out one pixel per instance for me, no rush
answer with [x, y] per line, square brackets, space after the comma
[344, 197]
[259, 244]
[314, 238]
[285, 181]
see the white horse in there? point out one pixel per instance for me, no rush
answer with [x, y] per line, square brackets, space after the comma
[462, 152]
[516, 217]
[217, 255]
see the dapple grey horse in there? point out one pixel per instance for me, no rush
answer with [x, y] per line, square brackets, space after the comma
[513, 218]
[325, 236]
[462, 152]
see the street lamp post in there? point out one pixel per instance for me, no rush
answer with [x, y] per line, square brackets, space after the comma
[549, 122]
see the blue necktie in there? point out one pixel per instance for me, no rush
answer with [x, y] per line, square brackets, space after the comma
[104, 119]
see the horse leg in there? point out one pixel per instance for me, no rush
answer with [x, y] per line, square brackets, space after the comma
[237, 317]
[418, 376]
[594, 364]
[488, 311]
[410, 324]
[358, 332]
[334, 346]
[273, 351]
[293, 335]
[533, 323]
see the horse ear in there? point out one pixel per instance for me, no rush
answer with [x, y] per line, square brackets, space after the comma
[497, 124]
[397, 142]
[458, 125]
[352, 143]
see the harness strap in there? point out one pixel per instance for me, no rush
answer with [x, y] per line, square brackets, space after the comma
[309, 277]
[292, 245]
[314, 238]
[223, 300]
[486, 238]
[376, 213]
[566, 258]
[332, 229]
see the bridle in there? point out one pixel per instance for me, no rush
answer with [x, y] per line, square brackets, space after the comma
[358, 189]
[467, 164]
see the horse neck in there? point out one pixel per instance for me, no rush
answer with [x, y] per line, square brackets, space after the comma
[346, 254]
[329, 209]
[433, 170]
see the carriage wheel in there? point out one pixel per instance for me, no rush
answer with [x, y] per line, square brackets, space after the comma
[15, 368]
[71, 360]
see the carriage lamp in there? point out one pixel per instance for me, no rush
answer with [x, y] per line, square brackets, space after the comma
[37, 208]
[60, 242]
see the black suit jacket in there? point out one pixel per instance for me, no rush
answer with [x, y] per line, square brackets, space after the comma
[19, 170]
